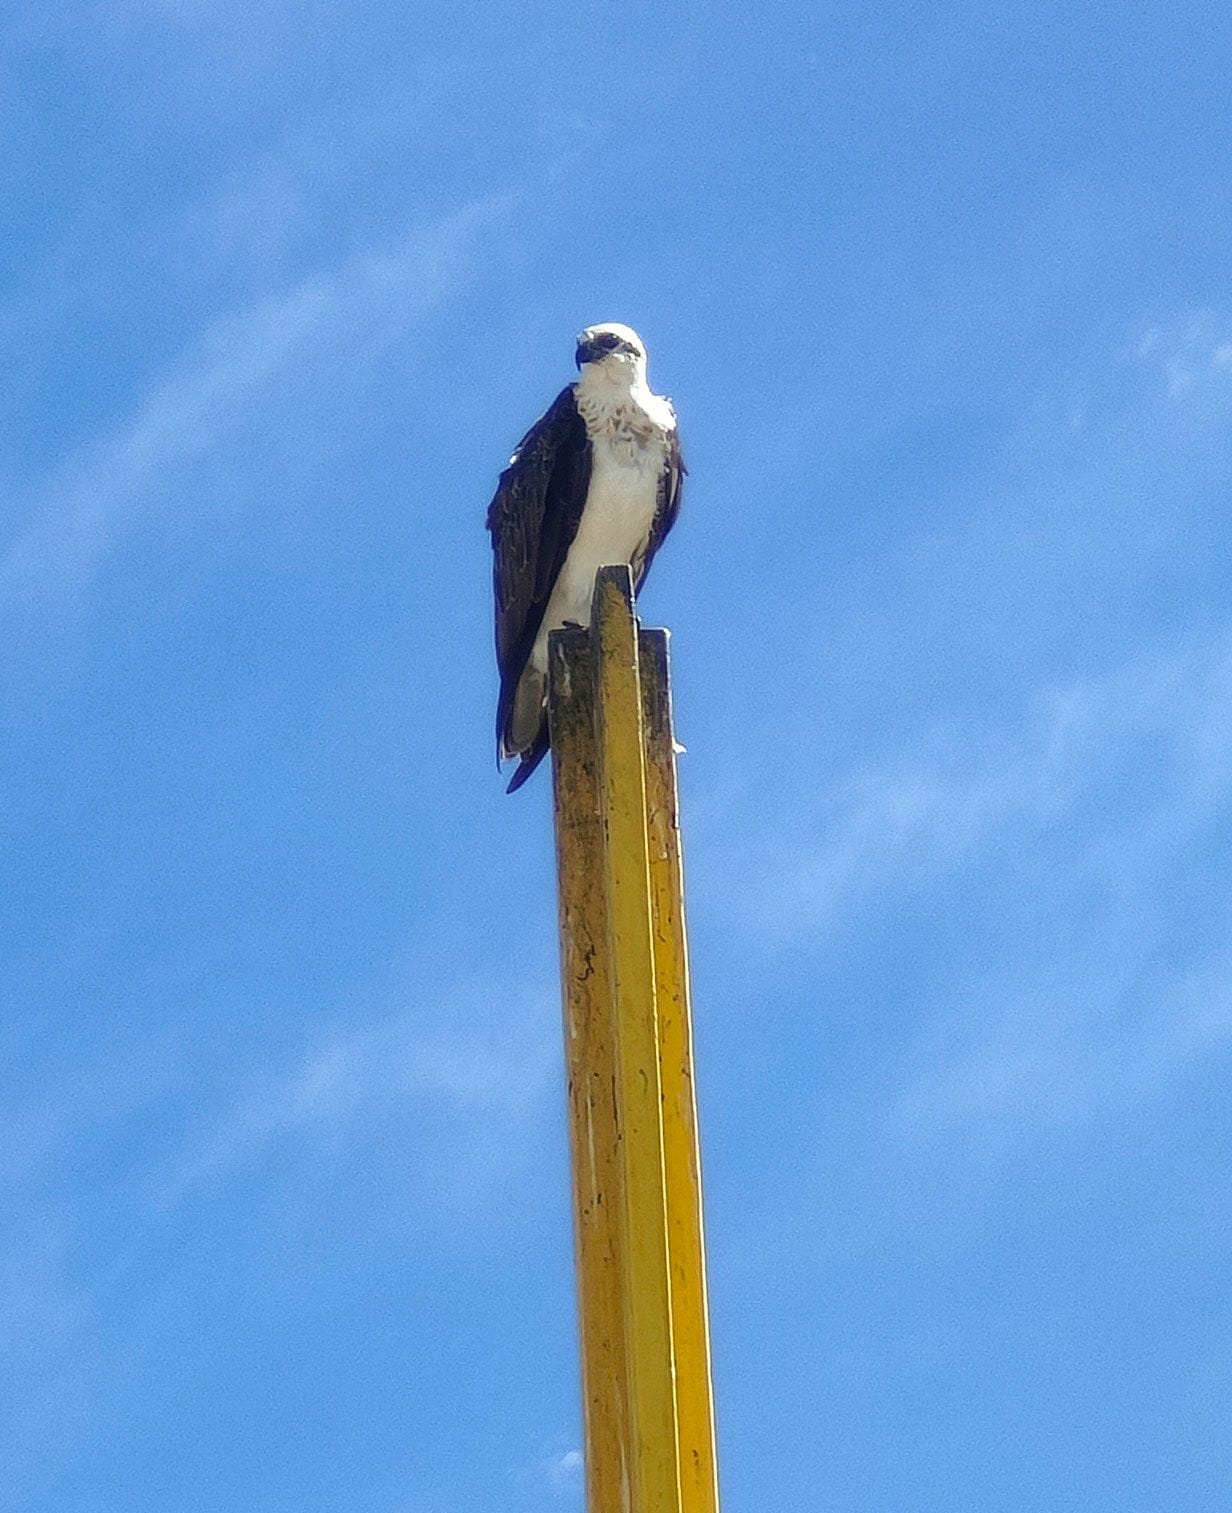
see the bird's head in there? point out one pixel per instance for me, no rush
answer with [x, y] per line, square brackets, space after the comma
[612, 350]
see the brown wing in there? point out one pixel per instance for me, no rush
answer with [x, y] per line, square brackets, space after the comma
[533, 519]
[671, 485]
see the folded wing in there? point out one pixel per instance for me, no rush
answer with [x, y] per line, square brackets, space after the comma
[533, 519]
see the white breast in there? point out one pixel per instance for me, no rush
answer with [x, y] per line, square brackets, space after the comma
[629, 453]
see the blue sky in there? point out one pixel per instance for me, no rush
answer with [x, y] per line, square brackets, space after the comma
[944, 299]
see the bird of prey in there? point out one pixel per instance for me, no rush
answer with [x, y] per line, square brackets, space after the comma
[595, 481]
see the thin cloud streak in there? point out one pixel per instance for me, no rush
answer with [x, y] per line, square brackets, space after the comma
[561, 1473]
[357, 307]
[1098, 797]
[903, 822]
[1087, 1041]
[449, 1111]
[1118, 505]
[329, 1094]
[1131, 771]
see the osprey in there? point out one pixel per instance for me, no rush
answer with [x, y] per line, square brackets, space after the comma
[596, 480]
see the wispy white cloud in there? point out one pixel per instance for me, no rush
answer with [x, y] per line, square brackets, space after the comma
[443, 1101]
[1056, 527]
[451, 1095]
[446, 1115]
[1185, 349]
[564, 1472]
[1094, 797]
[324, 322]
[48, 1359]
[883, 827]
[560, 1472]
[346, 1085]
[922, 815]
[1131, 774]
[1086, 1039]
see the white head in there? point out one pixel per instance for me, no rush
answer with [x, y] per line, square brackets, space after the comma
[611, 352]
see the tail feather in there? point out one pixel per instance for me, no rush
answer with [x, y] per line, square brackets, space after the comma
[524, 724]
[531, 758]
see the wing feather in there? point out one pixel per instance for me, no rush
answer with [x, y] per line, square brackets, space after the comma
[533, 518]
[671, 487]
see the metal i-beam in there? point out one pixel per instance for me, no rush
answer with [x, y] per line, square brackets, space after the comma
[647, 1398]
[699, 1492]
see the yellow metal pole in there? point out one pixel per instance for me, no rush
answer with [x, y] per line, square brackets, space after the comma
[655, 1478]
[682, 1157]
[590, 1069]
[645, 1347]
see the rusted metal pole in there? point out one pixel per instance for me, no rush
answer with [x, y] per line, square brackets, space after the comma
[649, 1417]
